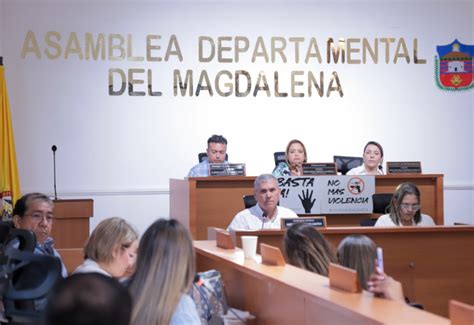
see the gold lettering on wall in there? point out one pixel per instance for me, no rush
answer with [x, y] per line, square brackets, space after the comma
[401, 51]
[238, 74]
[241, 45]
[337, 87]
[52, 40]
[255, 53]
[336, 50]
[228, 85]
[352, 49]
[295, 83]
[373, 51]
[73, 47]
[260, 50]
[415, 53]
[116, 42]
[93, 49]
[30, 45]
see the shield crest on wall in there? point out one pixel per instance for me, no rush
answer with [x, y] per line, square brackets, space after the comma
[453, 66]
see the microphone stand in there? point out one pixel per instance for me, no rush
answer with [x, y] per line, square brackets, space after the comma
[54, 148]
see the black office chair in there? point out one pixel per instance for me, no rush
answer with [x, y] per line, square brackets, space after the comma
[5, 227]
[249, 201]
[381, 202]
[203, 155]
[279, 157]
[25, 276]
[32, 277]
[368, 222]
[346, 163]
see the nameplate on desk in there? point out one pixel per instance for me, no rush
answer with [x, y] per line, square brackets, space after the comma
[318, 222]
[227, 169]
[271, 255]
[343, 278]
[224, 240]
[404, 167]
[319, 168]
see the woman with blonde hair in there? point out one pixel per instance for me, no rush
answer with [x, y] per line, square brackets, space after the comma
[110, 249]
[164, 274]
[295, 156]
[305, 247]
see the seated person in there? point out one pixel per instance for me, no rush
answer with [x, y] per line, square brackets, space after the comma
[165, 272]
[306, 248]
[34, 212]
[89, 299]
[295, 156]
[110, 249]
[373, 158]
[266, 214]
[404, 209]
[358, 252]
[216, 154]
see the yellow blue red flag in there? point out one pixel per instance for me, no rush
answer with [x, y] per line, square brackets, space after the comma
[9, 180]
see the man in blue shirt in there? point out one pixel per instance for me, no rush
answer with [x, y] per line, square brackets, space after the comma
[34, 212]
[216, 154]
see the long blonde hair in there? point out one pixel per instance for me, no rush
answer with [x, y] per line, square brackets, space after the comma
[165, 271]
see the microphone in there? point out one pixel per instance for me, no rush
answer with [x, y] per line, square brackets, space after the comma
[54, 148]
[264, 217]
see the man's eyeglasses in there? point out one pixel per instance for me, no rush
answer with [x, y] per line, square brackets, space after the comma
[406, 206]
[37, 217]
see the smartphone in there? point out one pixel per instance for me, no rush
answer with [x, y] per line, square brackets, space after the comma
[380, 259]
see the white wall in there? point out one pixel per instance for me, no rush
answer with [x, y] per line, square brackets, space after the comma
[121, 151]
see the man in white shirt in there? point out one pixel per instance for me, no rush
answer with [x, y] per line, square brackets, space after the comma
[266, 214]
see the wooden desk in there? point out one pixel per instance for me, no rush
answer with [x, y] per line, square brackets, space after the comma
[434, 264]
[202, 202]
[71, 222]
[289, 295]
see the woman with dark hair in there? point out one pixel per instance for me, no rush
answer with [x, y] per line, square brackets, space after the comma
[404, 209]
[306, 248]
[373, 158]
[164, 273]
[358, 252]
[295, 156]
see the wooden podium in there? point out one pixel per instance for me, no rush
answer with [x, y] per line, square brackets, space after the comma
[71, 222]
[202, 202]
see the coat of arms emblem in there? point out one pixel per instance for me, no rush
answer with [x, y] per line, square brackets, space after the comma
[454, 66]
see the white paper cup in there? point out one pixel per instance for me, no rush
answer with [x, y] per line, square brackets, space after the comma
[249, 245]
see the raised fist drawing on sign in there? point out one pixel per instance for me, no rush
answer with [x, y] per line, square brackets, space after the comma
[306, 200]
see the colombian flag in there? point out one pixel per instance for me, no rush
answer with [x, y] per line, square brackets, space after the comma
[9, 180]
